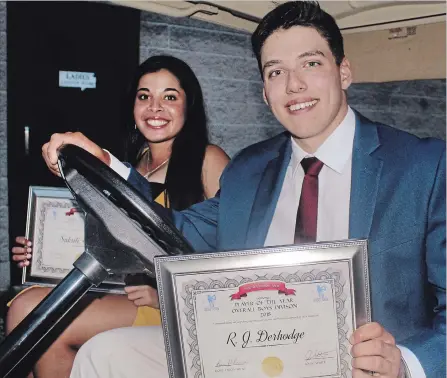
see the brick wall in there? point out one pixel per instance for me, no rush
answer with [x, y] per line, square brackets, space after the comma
[222, 60]
[227, 70]
[416, 106]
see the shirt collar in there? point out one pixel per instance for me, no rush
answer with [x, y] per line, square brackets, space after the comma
[336, 150]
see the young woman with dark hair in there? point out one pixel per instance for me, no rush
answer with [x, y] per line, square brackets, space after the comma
[184, 147]
[167, 142]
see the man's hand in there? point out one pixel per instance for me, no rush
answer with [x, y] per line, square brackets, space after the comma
[374, 352]
[50, 153]
[142, 295]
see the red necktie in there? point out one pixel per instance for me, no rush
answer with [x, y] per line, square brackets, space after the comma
[306, 218]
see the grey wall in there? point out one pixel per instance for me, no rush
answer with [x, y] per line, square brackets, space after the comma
[4, 239]
[227, 71]
[416, 106]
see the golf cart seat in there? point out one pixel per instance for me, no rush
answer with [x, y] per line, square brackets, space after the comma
[123, 233]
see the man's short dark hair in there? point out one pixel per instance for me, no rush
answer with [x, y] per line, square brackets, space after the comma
[299, 13]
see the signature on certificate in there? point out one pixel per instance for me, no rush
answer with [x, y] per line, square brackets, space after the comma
[231, 362]
[315, 354]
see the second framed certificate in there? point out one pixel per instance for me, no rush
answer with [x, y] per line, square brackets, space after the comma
[276, 312]
[55, 224]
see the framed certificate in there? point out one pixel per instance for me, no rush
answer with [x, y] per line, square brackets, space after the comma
[274, 312]
[55, 225]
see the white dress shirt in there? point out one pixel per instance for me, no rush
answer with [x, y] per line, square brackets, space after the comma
[334, 190]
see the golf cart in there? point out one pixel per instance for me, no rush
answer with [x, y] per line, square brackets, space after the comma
[123, 233]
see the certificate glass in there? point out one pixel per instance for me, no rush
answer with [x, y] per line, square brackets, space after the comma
[55, 225]
[274, 312]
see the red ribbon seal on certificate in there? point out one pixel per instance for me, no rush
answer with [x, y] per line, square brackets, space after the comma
[72, 211]
[262, 286]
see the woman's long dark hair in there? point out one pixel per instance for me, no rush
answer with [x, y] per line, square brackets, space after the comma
[184, 176]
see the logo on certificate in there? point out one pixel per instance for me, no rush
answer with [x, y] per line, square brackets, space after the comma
[321, 289]
[272, 366]
[211, 303]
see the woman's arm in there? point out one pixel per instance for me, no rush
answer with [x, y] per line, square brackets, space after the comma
[214, 163]
[50, 154]
[198, 223]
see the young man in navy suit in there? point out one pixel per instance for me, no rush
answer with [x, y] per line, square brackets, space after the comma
[374, 182]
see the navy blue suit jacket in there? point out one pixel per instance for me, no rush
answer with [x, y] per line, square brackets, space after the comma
[397, 201]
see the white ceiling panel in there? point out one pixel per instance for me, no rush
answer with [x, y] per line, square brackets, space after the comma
[352, 16]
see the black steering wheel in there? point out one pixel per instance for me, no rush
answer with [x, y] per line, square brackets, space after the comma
[117, 191]
[123, 234]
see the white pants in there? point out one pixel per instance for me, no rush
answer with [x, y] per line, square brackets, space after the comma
[131, 352]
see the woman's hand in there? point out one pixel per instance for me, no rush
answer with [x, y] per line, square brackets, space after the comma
[22, 253]
[142, 295]
[50, 149]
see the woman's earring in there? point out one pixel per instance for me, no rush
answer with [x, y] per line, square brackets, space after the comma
[135, 126]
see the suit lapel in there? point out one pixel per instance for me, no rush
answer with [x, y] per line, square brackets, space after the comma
[269, 188]
[365, 180]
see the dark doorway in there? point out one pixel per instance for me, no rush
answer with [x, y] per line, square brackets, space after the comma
[43, 39]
